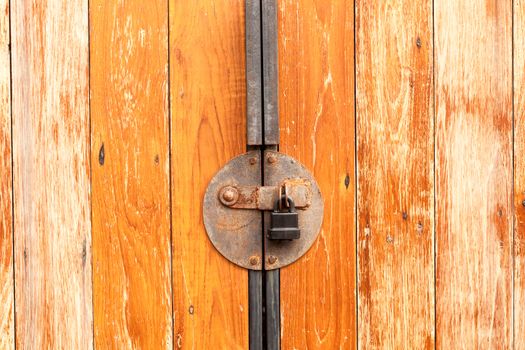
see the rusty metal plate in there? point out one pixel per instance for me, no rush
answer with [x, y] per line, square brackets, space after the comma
[235, 233]
[234, 199]
[280, 168]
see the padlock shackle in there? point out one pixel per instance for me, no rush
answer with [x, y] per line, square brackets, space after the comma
[277, 206]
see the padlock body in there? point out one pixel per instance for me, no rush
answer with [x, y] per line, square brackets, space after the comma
[284, 226]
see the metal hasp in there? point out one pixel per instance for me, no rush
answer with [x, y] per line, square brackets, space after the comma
[233, 202]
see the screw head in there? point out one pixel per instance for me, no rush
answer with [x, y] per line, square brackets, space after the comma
[272, 159]
[254, 260]
[272, 259]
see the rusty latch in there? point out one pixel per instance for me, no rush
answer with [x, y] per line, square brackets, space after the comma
[264, 197]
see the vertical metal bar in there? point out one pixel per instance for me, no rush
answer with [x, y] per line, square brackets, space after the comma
[255, 287]
[273, 324]
[270, 72]
[254, 115]
[254, 137]
[271, 141]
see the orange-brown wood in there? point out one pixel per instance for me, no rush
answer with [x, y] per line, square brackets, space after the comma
[7, 340]
[519, 174]
[51, 174]
[473, 67]
[316, 101]
[395, 152]
[130, 162]
[207, 92]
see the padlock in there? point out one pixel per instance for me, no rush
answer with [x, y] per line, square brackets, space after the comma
[284, 224]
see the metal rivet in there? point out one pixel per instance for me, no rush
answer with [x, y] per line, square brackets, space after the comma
[272, 259]
[254, 260]
[228, 195]
[272, 159]
[253, 161]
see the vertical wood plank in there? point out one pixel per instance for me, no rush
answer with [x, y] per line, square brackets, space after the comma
[51, 174]
[519, 174]
[7, 340]
[316, 102]
[395, 156]
[473, 53]
[130, 157]
[208, 116]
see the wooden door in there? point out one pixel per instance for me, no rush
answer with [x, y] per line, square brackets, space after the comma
[115, 115]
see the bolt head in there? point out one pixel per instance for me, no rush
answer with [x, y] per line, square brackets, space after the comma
[253, 161]
[228, 195]
[254, 260]
[272, 259]
[272, 159]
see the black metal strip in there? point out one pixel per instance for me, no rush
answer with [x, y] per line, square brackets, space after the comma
[254, 123]
[273, 324]
[272, 336]
[255, 303]
[270, 72]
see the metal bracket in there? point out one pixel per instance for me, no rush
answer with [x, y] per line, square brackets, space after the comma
[233, 202]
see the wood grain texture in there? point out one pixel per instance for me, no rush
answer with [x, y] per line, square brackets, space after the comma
[7, 340]
[473, 41]
[519, 174]
[395, 153]
[208, 116]
[130, 157]
[316, 102]
[51, 174]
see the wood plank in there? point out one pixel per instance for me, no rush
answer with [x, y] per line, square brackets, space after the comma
[519, 174]
[130, 157]
[208, 127]
[7, 340]
[316, 102]
[395, 155]
[51, 174]
[473, 63]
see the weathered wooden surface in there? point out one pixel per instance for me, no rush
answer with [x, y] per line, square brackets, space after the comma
[316, 102]
[208, 115]
[130, 162]
[395, 156]
[519, 174]
[51, 174]
[7, 340]
[473, 68]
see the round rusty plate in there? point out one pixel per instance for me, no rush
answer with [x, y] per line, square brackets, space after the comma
[235, 233]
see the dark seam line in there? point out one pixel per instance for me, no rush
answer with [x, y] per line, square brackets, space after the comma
[12, 170]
